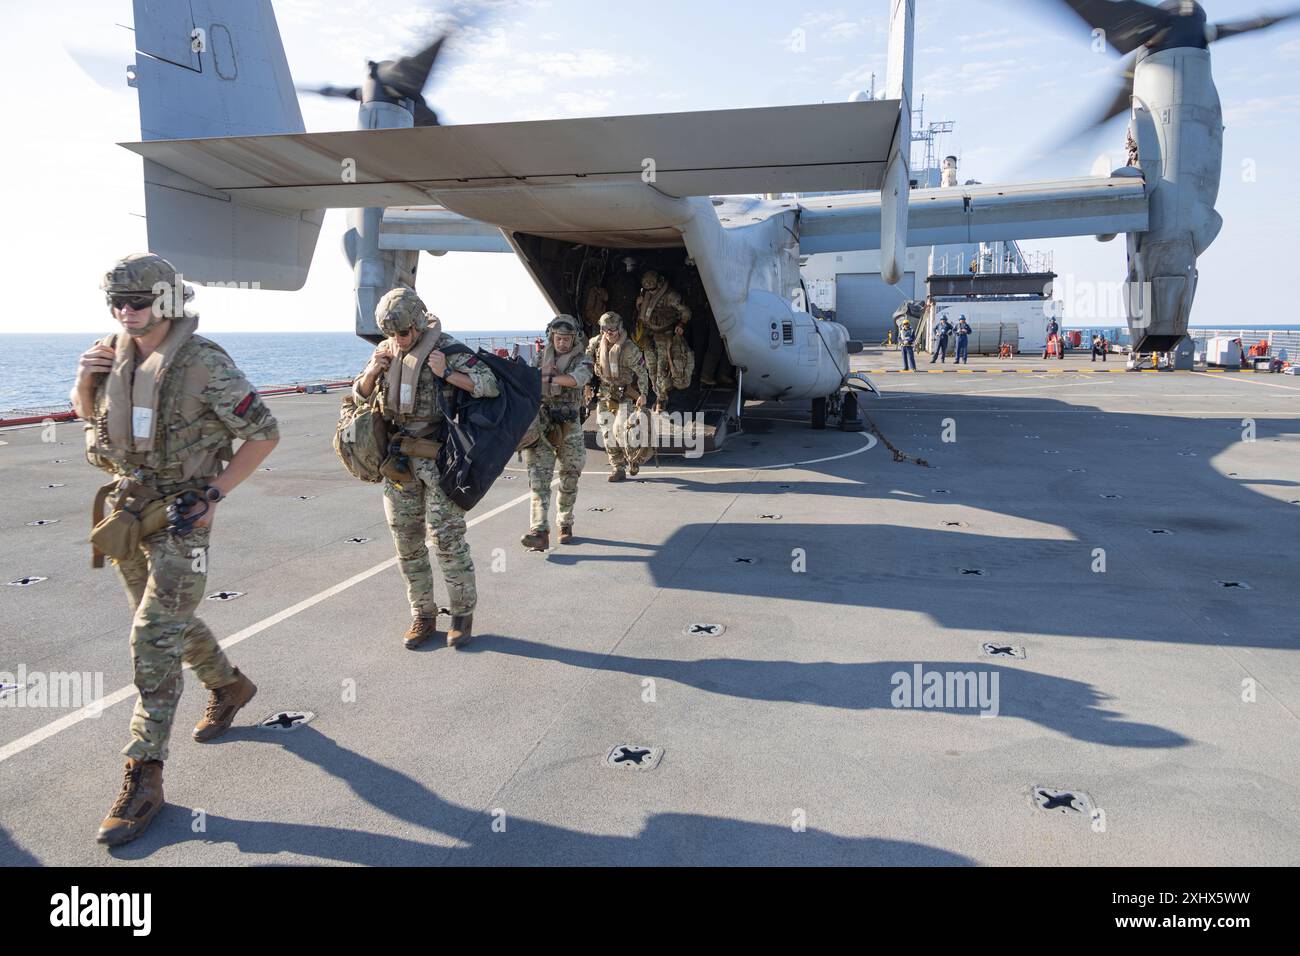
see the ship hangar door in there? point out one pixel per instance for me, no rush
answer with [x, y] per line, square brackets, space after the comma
[866, 305]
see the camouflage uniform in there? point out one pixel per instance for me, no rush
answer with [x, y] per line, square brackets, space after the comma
[560, 423]
[205, 403]
[617, 396]
[416, 507]
[659, 311]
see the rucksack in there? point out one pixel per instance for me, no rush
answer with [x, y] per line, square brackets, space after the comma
[361, 438]
[482, 433]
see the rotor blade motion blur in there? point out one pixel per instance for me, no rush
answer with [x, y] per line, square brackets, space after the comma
[1125, 24]
[1234, 28]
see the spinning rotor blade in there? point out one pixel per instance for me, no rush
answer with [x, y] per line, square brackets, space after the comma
[1234, 28]
[1127, 24]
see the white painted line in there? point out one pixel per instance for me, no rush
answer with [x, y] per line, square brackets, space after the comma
[869, 438]
[1247, 381]
[997, 389]
[30, 740]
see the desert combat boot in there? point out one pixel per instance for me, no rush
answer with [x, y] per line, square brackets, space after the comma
[537, 540]
[222, 707]
[461, 630]
[136, 806]
[423, 627]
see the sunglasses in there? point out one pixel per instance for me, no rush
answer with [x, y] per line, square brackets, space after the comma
[137, 303]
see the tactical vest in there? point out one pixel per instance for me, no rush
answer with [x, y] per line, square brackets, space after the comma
[664, 315]
[624, 384]
[189, 441]
[426, 417]
[567, 396]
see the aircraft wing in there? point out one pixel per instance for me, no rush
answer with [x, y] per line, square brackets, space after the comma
[769, 149]
[1090, 206]
[438, 230]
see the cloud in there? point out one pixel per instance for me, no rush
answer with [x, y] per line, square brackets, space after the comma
[822, 17]
[860, 77]
[1264, 111]
[846, 30]
[584, 102]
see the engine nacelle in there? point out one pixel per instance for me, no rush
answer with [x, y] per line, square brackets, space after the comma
[1178, 127]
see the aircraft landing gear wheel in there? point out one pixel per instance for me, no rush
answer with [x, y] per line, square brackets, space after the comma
[819, 413]
[850, 418]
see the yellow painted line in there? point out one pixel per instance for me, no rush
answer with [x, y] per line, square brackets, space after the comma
[994, 371]
[936, 371]
[965, 371]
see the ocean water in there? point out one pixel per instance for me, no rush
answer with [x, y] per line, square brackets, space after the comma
[39, 370]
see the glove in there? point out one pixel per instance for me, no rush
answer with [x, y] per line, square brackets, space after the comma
[181, 522]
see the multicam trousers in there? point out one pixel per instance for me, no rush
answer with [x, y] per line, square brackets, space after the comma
[164, 582]
[414, 509]
[540, 459]
[623, 440]
[672, 363]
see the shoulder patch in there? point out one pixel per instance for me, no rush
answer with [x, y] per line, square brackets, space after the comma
[242, 408]
[471, 361]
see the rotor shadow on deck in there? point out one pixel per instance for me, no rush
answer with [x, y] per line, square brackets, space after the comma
[1067, 706]
[876, 537]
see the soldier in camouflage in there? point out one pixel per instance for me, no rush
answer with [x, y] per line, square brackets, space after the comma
[621, 367]
[566, 370]
[163, 407]
[662, 317]
[410, 371]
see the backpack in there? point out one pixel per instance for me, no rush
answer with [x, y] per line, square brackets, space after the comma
[482, 433]
[361, 438]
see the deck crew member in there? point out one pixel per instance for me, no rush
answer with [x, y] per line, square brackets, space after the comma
[408, 368]
[1054, 332]
[661, 326]
[962, 331]
[566, 370]
[621, 367]
[163, 407]
[907, 339]
[942, 329]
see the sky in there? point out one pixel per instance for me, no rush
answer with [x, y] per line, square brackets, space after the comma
[1011, 76]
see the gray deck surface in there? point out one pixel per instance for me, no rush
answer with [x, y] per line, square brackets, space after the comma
[1131, 691]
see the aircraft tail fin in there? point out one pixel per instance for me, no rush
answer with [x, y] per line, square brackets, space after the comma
[206, 68]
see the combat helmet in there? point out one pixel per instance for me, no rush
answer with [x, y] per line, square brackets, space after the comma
[611, 320]
[141, 275]
[401, 310]
[563, 325]
[651, 280]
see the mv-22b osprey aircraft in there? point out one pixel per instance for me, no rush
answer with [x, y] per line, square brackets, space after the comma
[235, 189]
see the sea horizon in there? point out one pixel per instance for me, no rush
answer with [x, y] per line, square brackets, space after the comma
[37, 370]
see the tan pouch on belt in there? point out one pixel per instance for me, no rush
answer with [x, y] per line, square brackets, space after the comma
[394, 472]
[119, 534]
[420, 447]
[116, 536]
